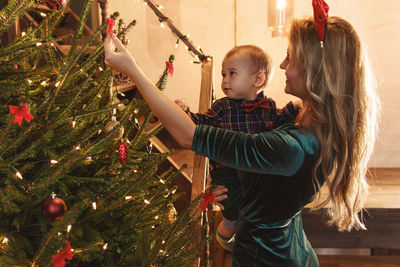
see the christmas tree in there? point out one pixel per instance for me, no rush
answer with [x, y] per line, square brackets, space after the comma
[78, 177]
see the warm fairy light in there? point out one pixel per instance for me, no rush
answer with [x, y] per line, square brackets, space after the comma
[156, 217]
[173, 191]
[280, 4]
[69, 228]
[162, 25]
[43, 14]
[163, 242]
[52, 44]
[89, 158]
[23, 34]
[162, 181]
[38, 44]
[53, 161]
[99, 96]
[100, 69]
[59, 233]
[177, 43]
[77, 147]
[57, 84]
[128, 197]
[160, 7]
[146, 201]
[19, 175]
[29, 81]
[99, 131]
[94, 205]
[105, 246]
[196, 57]
[135, 111]
[5, 240]
[43, 83]
[161, 251]
[73, 123]
[208, 59]
[135, 171]
[186, 47]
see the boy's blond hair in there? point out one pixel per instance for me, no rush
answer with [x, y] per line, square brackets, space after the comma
[260, 60]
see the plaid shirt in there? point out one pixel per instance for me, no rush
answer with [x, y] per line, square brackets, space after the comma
[230, 114]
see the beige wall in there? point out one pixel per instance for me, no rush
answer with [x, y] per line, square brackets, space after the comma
[210, 24]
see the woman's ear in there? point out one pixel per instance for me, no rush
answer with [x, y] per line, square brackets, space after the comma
[260, 79]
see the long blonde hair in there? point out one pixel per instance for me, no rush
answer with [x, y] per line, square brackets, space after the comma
[342, 109]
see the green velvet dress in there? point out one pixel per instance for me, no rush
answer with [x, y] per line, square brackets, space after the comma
[276, 182]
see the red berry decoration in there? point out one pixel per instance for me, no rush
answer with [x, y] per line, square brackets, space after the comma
[54, 208]
[56, 4]
[123, 152]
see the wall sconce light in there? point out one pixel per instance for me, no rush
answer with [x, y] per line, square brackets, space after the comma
[279, 14]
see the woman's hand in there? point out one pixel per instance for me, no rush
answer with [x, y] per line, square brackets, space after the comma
[219, 193]
[117, 55]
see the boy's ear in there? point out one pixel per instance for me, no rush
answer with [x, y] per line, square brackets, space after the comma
[260, 79]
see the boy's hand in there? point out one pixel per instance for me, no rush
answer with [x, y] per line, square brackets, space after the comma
[182, 105]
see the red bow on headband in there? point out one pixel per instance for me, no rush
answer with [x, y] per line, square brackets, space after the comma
[20, 113]
[249, 107]
[111, 24]
[321, 10]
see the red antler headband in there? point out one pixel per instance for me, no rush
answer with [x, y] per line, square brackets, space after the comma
[320, 16]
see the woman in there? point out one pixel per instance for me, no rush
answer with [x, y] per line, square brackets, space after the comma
[282, 170]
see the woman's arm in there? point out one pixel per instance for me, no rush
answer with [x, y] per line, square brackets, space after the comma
[174, 119]
[277, 152]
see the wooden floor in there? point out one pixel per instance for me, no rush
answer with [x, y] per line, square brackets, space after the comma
[384, 204]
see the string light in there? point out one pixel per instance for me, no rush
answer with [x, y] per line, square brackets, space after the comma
[162, 25]
[29, 81]
[137, 123]
[5, 240]
[74, 121]
[128, 197]
[38, 44]
[43, 14]
[177, 43]
[94, 205]
[53, 161]
[43, 83]
[69, 228]
[77, 147]
[16, 172]
[156, 217]
[160, 6]
[99, 131]
[57, 84]
[136, 111]
[23, 34]
[100, 69]
[105, 246]
[146, 201]
[52, 44]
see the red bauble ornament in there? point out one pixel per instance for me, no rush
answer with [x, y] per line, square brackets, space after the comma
[54, 208]
[123, 152]
[56, 4]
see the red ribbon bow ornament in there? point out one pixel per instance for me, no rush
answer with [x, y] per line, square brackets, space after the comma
[58, 260]
[170, 67]
[111, 24]
[321, 10]
[208, 198]
[20, 113]
[250, 106]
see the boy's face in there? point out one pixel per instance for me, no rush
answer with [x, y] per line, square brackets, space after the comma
[238, 78]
